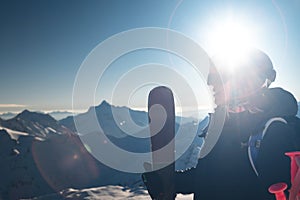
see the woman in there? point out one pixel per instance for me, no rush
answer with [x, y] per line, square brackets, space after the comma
[226, 172]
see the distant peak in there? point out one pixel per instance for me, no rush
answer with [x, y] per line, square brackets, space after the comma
[104, 103]
[29, 115]
[25, 111]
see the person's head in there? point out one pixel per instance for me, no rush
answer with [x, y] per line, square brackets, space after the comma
[235, 81]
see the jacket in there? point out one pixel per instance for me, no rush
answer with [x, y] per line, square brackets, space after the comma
[226, 172]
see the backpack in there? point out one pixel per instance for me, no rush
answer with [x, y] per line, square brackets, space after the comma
[255, 140]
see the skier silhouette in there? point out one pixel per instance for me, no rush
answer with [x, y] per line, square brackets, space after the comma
[226, 172]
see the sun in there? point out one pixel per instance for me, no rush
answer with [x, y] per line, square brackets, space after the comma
[230, 38]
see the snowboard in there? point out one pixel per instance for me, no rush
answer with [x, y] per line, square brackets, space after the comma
[161, 115]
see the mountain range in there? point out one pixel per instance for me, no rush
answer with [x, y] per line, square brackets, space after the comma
[58, 115]
[43, 155]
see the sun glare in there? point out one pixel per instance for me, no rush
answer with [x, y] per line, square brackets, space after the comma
[231, 39]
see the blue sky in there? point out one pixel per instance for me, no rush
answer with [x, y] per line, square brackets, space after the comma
[43, 43]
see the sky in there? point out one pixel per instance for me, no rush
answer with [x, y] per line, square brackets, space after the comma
[45, 43]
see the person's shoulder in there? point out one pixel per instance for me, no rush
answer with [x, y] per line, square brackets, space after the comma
[283, 101]
[280, 93]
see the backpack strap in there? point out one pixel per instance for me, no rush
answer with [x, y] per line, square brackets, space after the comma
[254, 142]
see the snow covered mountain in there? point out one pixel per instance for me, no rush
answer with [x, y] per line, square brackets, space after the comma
[36, 124]
[34, 166]
[7, 115]
[107, 115]
[110, 117]
[43, 155]
[114, 121]
[19, 174]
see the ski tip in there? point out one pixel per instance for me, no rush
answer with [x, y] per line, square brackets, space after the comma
[161, 88]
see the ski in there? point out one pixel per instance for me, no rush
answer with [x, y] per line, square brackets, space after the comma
[161, 113]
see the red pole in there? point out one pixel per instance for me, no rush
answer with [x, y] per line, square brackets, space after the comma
[294, 171]
[294, 166]
[278, 190]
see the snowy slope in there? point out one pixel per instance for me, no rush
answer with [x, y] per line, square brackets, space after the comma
[7, 115]
[13, 134]
[105, 193]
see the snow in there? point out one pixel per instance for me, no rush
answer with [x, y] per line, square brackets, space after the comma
[12, 133]
[106, 193]
[50, 129]
[35, 125]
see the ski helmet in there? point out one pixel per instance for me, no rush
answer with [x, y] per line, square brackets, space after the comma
[253, 64]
